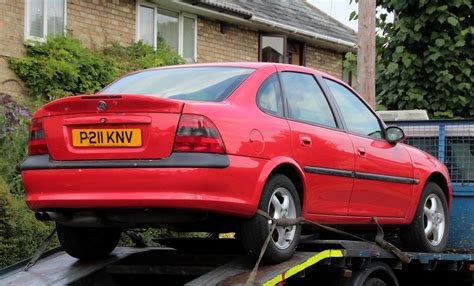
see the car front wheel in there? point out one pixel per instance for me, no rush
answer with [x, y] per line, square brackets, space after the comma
[429, 229]
[88, 243]
[280, 200]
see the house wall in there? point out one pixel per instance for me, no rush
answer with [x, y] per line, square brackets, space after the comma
[233, 44]
[101, 22]
[324, 60]
[11, 45]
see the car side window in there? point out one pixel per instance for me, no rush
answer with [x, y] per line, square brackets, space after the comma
[269, 96]
[358, 117]
[306, 100]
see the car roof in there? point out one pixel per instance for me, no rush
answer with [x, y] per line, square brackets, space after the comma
[253, 65]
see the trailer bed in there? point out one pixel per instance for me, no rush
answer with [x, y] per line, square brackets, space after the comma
[221, 262]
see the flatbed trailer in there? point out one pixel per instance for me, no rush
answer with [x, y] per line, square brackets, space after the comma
[222, 262]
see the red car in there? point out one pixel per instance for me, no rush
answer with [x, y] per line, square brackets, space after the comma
[201, 147]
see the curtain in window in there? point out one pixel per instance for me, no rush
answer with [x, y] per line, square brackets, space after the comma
[55, 17]
[167, 28]
[36, 13]
[189, 27]
[146, 24]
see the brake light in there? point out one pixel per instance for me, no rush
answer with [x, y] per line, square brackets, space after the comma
[197, 133]
[37, 143]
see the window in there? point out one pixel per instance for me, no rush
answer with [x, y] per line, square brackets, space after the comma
[269, 96]
[306, 100]
[167, 28]
[279, 49]
[176, 29]
[272, 49]
[44, 17]
[196, 83]
[358, 117]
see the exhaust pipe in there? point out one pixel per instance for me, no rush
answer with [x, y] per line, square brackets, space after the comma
[86, 219]
[48, 216]
[39, 216]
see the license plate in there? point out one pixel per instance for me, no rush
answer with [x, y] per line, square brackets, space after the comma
[106, 138]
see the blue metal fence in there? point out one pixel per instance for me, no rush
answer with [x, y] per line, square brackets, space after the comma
[452, 142]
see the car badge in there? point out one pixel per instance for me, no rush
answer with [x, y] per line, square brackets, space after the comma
[101, 106]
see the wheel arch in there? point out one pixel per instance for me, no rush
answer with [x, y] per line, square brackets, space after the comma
[289, 168]
[433, 177]
[440, 180]
[294, 175]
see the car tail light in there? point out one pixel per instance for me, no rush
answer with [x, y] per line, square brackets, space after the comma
[196, 133]
[37, 144]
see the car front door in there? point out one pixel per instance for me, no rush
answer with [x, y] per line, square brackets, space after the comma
[383, 184]
[319, 146]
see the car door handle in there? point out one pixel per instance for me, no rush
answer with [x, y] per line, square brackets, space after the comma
[361, 151]
[305, 141]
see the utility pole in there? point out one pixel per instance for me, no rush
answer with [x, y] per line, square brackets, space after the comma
[366, 51]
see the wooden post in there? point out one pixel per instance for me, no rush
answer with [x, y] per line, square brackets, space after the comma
[366, 51]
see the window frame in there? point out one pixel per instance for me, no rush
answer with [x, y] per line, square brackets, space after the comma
[336, 106]
[334, 112]
[181, 16]
[27, 35]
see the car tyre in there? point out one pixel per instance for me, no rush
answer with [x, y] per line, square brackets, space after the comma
[88, 243]
[428, 231]
[279, 199]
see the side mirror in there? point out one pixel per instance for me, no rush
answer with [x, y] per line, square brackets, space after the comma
[395, 134]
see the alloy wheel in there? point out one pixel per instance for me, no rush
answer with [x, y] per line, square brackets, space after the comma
[434, 219]
[282, 205]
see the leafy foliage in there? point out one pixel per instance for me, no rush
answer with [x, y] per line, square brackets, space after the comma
[425, 57]
[62, 66]
[14, 119]
[139, 56]
[20, 232]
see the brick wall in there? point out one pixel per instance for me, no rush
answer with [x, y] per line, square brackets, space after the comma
[12, 14]
[234, 44]
[241, 44]
[99, 22]
[11, 44]
[324, 60]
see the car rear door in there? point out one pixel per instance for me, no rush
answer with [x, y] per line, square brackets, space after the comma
[384, 181]
[319, 146]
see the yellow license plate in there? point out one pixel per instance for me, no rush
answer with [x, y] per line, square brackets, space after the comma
[106, 138]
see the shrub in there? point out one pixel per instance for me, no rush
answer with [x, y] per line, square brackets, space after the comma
[62, 66]
[20, 232]
[14, 119]
[139, 56]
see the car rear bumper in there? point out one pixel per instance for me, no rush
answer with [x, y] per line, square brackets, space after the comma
[207, 182]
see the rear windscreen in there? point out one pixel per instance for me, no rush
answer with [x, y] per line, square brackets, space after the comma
[190, 83]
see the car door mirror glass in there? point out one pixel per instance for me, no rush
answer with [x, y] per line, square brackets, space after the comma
[395, 134]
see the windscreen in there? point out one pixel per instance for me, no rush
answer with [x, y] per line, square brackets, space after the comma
[189, 83]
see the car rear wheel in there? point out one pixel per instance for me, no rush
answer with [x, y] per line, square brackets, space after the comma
[88, 243]
[280, 200]
[429, 229]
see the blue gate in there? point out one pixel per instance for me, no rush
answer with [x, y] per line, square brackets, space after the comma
[452, 142]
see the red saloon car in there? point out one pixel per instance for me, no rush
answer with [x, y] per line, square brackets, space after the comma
[202, 147]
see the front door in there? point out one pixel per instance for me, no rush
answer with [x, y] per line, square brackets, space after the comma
[319, 146]
[383, 184]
